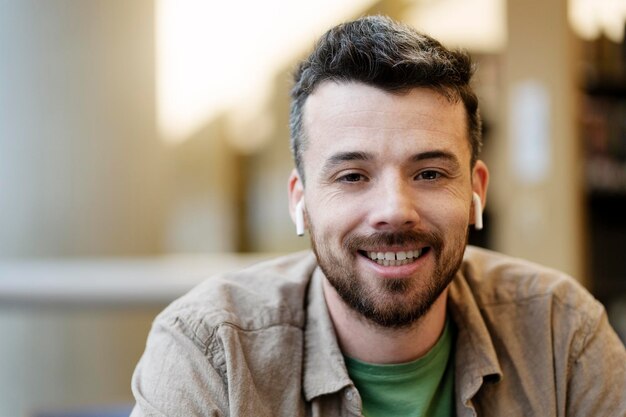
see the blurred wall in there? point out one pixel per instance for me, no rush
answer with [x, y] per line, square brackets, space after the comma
[64, 358]
[537, 165]
[82, 171]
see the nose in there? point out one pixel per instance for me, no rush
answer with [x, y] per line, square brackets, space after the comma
[394, 206]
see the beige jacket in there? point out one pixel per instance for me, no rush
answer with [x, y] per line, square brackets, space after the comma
[259, 342]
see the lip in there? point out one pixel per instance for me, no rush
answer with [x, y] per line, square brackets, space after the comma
[400, 271]
[391, 249]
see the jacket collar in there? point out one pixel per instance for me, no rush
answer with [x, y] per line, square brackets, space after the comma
[324, 368]
[476, 361]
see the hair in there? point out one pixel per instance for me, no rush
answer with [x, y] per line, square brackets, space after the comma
[380, 52]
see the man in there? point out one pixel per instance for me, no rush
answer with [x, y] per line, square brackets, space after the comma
[393, 316]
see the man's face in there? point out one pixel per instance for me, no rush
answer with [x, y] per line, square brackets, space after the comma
[388, 195]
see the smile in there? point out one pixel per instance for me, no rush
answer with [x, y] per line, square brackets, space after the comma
[394, 258]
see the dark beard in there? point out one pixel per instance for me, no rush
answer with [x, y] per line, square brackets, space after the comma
[366, 301]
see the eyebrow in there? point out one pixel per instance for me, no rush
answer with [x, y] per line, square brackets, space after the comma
[341, 157]
[444, 155]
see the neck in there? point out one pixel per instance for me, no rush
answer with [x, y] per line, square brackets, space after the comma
[360, 339]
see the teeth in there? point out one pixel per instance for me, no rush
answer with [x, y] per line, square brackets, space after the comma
[394, 258]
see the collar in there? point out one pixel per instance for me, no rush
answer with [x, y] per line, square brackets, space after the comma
[324, 368]
[476, 361]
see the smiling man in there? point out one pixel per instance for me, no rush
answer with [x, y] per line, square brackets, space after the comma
[393, 315]
[389, 183]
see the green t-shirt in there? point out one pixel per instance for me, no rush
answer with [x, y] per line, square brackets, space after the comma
[422, 388]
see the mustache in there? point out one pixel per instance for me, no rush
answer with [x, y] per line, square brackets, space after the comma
[405, 238]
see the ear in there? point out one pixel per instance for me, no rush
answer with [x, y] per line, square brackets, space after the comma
[295, 192]
[480, 182]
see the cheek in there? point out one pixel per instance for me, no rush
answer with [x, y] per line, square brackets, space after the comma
[331, 221]
[447, 216]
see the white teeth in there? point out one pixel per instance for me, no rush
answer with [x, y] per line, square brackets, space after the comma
[394, 258]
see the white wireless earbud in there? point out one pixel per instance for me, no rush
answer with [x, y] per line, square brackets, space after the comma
[300, 217]
[478, 211]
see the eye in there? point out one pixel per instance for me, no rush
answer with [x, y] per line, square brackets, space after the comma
[428, 175]
[352, 177]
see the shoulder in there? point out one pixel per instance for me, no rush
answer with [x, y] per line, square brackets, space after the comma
[519, 299]
[223, 337]
[270, 293]
[495, 278]
[540, 331]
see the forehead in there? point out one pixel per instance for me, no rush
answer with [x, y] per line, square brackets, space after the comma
[358, 117]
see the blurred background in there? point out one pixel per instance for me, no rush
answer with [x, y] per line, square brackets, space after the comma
[144, 147]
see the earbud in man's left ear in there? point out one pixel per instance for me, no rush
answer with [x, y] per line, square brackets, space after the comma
[478, 211]
[300, 217]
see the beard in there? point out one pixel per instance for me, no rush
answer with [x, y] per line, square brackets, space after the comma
[389, 303]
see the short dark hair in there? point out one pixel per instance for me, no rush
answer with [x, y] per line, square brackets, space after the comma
[380, 52]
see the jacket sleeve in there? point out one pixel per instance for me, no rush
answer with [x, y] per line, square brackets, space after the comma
[175, 377]
[597, 377]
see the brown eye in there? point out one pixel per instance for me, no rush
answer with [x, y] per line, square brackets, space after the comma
[353, 177]
[428, 175]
